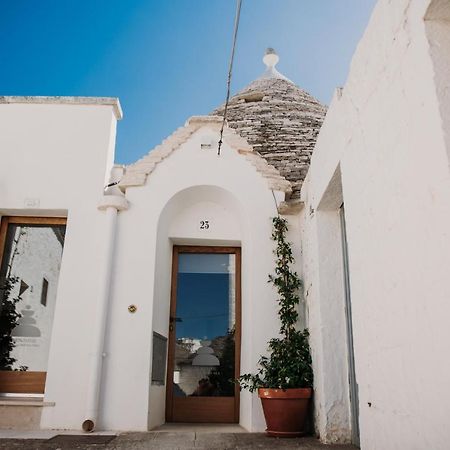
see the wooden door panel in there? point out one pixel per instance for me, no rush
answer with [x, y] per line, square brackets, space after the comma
[22, 382]
[203, 409]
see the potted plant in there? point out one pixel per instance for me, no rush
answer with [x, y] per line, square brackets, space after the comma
[285, 378]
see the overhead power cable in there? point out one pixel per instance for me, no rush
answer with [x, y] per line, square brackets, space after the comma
[230, 70]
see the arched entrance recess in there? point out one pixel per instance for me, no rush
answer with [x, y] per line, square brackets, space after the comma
[211, 219]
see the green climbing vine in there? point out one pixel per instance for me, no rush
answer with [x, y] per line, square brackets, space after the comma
[289, 362]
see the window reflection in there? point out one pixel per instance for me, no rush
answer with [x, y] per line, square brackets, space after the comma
[28, 281]
[205, 323]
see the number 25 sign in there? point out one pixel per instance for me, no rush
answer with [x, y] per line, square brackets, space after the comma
[204, 224]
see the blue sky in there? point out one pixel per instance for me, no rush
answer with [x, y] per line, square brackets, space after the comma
[167, 60]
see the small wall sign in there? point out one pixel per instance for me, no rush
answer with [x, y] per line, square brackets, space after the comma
[31, 203]
[204, 224]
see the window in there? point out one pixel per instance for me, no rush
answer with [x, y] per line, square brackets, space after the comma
[30, 253]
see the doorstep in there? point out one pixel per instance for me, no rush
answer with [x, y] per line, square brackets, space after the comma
[46, 434]
[21, 412]
[199, 428]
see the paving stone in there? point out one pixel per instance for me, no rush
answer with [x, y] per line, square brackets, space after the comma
[179, 441]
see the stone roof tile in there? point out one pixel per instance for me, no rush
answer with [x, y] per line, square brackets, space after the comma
[280, 121]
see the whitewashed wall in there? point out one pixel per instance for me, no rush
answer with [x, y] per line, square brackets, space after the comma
[384, 138]
[188, 186]
[55, 155]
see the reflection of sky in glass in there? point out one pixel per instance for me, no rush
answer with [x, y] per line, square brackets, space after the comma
[203, 295]
[203, 263]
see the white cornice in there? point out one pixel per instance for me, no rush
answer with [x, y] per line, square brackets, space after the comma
[136, 174]
[102, 101]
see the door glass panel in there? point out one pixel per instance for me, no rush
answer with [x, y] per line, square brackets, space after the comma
[28, 280]
[205, 325]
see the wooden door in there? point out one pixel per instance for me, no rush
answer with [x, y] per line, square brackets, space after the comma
[204, 335]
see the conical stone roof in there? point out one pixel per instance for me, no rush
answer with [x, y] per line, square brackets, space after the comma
[279, 120]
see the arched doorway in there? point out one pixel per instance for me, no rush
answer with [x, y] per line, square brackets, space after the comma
[197, 305]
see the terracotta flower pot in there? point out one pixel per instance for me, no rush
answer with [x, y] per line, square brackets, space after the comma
[285, 411]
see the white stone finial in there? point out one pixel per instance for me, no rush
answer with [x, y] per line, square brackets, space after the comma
[270, 58]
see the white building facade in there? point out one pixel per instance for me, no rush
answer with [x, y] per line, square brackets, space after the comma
[383, 153]
[369, 215]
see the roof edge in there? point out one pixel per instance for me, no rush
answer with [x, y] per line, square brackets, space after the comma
[58, 100]
[136, 174]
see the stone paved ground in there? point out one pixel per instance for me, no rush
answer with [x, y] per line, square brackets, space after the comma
[179, 441]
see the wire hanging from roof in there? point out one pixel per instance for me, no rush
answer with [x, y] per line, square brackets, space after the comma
[230, 69]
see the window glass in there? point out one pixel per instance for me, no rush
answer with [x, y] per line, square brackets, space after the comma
[28, 282]
[205, 325]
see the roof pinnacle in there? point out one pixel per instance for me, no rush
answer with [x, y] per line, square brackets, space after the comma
[271, 59]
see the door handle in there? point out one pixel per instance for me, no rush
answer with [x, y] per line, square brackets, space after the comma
[172, 320]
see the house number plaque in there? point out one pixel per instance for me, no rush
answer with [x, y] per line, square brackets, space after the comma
[204, 224]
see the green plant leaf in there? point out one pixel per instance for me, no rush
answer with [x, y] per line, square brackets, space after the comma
[289, 362]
